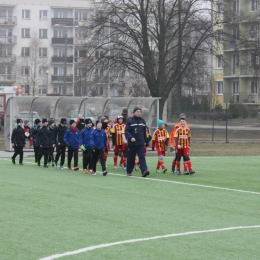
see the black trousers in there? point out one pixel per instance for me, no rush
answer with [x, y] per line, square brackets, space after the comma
[51, 157]
[60, 153]
[18, 151]
[43, 152]
[98, 154]
[73, 153]
[87, 159]
[36, 153]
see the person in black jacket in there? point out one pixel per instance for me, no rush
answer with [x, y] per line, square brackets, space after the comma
[61, 145]
[34, 133]
[135, 131]
[44, 141]
[53, 129]
[18, 141]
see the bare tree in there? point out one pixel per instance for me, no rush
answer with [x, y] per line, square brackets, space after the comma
[32, 67]
[154, 39]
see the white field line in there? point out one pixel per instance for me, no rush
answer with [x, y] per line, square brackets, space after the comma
[90, 248]
[175, 182]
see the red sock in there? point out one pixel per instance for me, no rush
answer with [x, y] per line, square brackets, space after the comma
[178, 164]
[173, 164]
[189, 165]
[162, 165]
[115, 160]
[185, 166]
[158, 165]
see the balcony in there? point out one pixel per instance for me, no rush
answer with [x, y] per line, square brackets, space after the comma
[8, 20]
[84, 60]
[59, 78]
[56, 59]
[7, 58]
[62, 21]
[8, 39]
[6, 78]
[62, 40]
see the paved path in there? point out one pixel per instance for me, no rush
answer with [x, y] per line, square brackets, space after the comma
[6, 154]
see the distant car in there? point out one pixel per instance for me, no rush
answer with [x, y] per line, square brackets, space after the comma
[24, 115]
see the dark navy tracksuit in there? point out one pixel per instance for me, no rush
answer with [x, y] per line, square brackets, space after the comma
[18, 139]
[34, 134]
[44, 141]
[71, 138]
[100, 143]
[61, 145]
[136, 128]
[86, 139]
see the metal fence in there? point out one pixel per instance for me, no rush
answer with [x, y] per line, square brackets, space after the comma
[237, 123]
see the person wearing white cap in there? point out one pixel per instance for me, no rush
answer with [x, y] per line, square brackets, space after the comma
[160, 140]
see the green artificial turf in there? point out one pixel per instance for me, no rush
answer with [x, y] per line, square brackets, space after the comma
[51, 211]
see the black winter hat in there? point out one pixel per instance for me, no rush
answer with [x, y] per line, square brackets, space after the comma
[44, 120]
[72, 121]
[63, 121]
[19, 120]
[136, 108]
[88, 121]
[37, 121]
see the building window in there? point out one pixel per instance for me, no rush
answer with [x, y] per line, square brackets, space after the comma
[219, 87]
[43, 15]
[59, 52]
[219, 61]
[26, 14]
[62, 90]
[26, 89]
[253, 5]
[25, 70]
[235, 33]
[43, 52]
[43, 33]
[58, 71]
[254, 87]
[235, 87]
[99, 72]
[219, 9]
[254, 61]
[43, 71]
[253, 31]
[59, 33]
[60, 14]
[81, 16]
[219, 34]
[99, 54]
[235, 6]
[25, 52]
[234, 63]
[42, 89]
[25, 33]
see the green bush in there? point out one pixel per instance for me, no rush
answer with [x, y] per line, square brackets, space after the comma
[237, 110]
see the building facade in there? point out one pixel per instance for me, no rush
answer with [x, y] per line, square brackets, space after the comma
[40, 45]
[237, 49]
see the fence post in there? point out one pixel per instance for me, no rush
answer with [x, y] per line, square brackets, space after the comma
[213, 124]
[226, 124]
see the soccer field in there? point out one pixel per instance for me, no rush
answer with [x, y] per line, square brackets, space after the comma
[60, 214]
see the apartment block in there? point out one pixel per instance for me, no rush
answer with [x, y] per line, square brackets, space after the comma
[35, 38]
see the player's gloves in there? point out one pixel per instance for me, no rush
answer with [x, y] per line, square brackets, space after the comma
[83, 148]
[27, 134]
